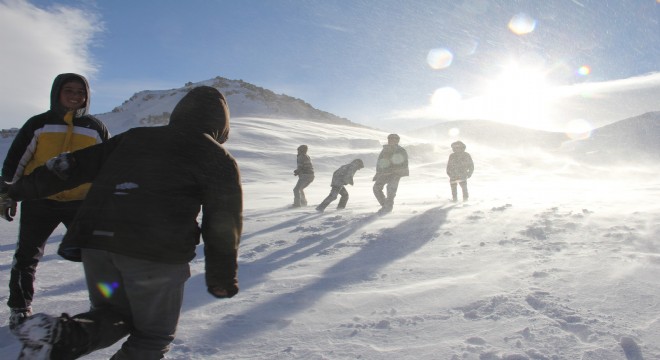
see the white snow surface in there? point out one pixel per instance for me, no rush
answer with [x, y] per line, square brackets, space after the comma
[549, 259]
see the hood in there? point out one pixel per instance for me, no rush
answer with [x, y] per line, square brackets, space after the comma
[203, 109]
[357, 163]
[59, 81]
[458, 146]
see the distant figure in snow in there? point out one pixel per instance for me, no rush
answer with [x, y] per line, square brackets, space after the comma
[459, 168]
[391, 167]
[342, 176]
[305, 174]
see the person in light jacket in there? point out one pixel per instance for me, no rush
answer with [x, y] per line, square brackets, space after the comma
[305, 173]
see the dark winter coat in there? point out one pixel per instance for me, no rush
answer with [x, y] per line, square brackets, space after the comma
[51, 133]
[459, 165]
[393, 160]
[344, 175]
[149, 185]
[304, 165]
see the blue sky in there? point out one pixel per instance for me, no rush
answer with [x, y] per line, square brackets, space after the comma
[376, 62]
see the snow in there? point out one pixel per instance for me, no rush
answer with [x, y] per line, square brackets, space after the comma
[549, 259]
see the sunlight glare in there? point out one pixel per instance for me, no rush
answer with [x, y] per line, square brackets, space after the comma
[445, 97]
[454, 132]
[522, 24]
[439, 58]
[578, 129]
[519, 96]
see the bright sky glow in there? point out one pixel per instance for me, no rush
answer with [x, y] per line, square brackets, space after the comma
[374, 62]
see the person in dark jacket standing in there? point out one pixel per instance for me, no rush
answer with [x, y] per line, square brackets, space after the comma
[137, 229]
[305, 173]
[459, 168]
[341, 177]
[66, 127]
[391, 167]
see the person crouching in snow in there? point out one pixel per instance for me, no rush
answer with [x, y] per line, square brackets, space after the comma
[342, 176]
[459, 168]
[137, 231]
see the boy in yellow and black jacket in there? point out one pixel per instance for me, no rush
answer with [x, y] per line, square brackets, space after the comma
[66, 127]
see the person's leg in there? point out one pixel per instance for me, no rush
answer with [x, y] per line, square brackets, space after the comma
[392, 187]
[330, 198]
[36, 224]
[378, 191]
[344, 198]
[296, 192]
[454, 190]
[464, 189]
[308, 178]
[155, 294]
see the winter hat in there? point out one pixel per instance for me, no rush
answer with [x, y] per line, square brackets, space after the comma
[302, 149]
[458, 146]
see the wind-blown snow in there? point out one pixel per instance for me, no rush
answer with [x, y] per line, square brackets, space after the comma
[550, 259]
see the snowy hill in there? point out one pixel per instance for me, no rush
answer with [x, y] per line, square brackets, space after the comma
[550, 258]
[153, 107]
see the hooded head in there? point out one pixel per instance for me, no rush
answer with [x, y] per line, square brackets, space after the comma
[357, 163]
[203, 109]
[458, 146]
[58, 83]
[302, 149]
[393, 139]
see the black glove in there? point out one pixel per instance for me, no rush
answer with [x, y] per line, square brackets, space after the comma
[7, 204]
[62, 165]
[221, 275]
[295, 172]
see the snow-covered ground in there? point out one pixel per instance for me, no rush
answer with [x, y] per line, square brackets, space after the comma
[549, 259]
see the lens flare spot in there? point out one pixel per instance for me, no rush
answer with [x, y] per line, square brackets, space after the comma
[578, 129]
[107, 289]
[454, 132]
[585, 70]
[521, 24]
[439, 58]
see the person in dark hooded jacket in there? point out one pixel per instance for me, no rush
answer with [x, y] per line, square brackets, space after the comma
[392, 165]
[137, 229]
[67, 126]
[459, 168]
[341, 177]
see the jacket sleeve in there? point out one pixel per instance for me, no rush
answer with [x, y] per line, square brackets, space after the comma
[18, 149]
[470, 166]
[43, 183]
[222, 224]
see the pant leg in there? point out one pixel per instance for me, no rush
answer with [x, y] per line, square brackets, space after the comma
[454, 190]
[155, 294]
[344, 198]
[298, 191]
[334, 192]
[38, 220]
[464, 189]
[378, 191]
[392, 187]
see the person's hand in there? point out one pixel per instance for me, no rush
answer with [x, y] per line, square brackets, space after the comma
[62, 165]
[295, 172]
[223, 293]
[7, 206]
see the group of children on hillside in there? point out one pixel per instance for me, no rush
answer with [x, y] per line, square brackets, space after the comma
[392, 165]
[130, 204]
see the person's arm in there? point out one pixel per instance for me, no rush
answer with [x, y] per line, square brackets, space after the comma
[74, 169]
[222, 224]
[18, 150]
[470, 167]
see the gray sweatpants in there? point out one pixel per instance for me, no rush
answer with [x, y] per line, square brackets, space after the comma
[147, 294]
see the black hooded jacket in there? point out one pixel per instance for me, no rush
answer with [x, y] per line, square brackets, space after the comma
[148, 186]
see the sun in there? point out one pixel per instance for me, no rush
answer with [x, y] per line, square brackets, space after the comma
[518, 95]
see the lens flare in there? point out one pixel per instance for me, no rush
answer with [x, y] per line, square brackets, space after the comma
[445, 97]
[439, 58]
[522, 24]
[107, 289]
[578, 129]
[585, 70]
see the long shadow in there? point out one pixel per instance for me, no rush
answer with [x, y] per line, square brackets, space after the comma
[292, 222]
[391, 245]
[251, 274]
